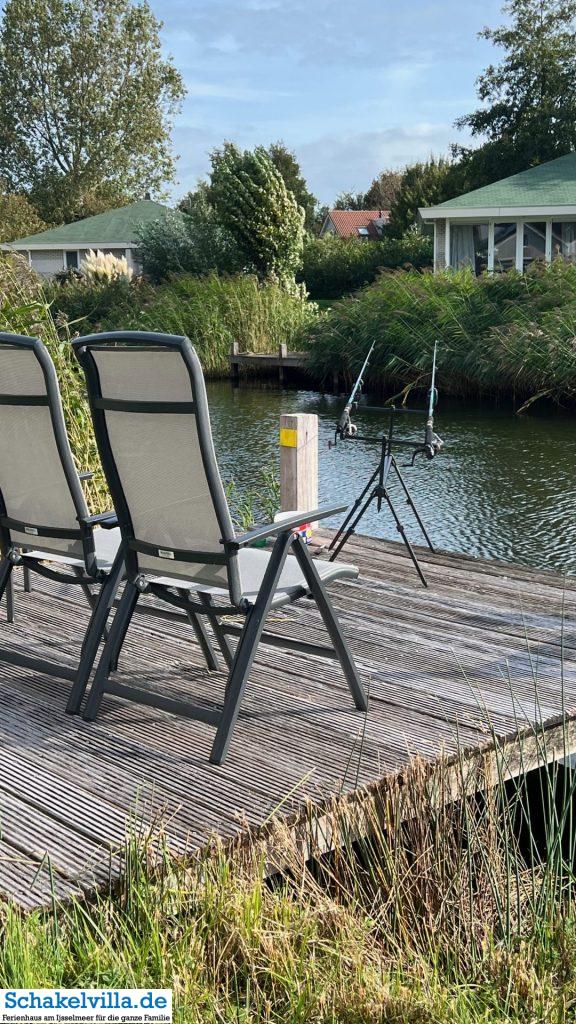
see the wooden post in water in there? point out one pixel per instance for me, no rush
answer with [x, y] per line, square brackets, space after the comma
[298, 462]
[234, 368]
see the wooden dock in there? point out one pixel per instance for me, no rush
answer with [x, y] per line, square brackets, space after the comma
[443, 666]
[260, 362]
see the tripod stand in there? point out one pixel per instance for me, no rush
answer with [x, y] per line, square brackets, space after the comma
[377, 490]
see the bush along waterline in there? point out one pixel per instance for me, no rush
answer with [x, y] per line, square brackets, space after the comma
[510, 334]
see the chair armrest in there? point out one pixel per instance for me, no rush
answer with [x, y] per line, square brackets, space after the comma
[284, 526]
[86, 474]
[107, 520]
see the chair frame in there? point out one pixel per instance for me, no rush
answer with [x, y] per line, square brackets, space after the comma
[239, 662]
[12, 555]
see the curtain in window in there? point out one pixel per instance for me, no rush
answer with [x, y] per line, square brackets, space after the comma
[569, 241]
[462, 245]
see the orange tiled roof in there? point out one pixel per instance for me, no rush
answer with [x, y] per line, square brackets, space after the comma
[347, 222]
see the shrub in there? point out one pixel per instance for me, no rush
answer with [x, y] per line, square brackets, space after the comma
[24, 309]
[334, 266]
[82, 305]
[503, 333]
[193, 242]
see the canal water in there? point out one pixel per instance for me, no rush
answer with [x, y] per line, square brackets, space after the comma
[504, 486]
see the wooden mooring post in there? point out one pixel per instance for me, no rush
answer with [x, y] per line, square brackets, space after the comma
[298, 462]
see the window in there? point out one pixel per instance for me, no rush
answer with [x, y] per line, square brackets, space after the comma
[469, 246]
[72, 259]
[564, 240]
[504, 246]
[534, 243]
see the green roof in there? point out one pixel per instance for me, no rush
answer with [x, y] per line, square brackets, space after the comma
[549, 184]
[120, 225]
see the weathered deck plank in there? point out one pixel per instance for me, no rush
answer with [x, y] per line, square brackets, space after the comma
[443, 667]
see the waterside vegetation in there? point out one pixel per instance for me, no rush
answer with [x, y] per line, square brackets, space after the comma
[453, 911]
[506, 335]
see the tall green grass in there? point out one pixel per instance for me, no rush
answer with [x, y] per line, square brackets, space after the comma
[213, 311]
[429, 910]
[503, 334]
[24, 309]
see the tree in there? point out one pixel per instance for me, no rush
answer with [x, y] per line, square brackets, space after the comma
[382, 191]
[252, 202]
[349, 201]
[86, 101]
[285, 161]
[189, 239]
[423, 184]
[17, 216]
[528, 114]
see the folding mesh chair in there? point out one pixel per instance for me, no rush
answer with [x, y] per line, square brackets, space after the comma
[152, 426]
[43, 513]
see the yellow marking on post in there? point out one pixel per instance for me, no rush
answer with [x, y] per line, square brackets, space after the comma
[288, 437]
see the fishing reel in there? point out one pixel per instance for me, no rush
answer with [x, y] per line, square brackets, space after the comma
[432, 446]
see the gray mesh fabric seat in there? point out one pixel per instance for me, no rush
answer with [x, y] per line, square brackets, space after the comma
[43, 513]
[152, 426]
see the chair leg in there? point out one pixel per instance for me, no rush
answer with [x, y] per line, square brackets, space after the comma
[10, 600]
[120, 623]
[247, 647]
[6, 567]
[332, 624]
[27, 580]
[202, 637]
[94, 634]
[221, 638]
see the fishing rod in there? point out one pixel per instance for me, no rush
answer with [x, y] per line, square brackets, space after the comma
[376, 488]
[433, 444]
[345, 427]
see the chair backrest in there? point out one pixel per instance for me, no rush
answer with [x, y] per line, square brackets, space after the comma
[152, 426]
[41, 499]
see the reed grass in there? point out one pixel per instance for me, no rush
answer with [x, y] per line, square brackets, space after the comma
[433, 907]
[501, 335]
[24, 309]
[213, 311]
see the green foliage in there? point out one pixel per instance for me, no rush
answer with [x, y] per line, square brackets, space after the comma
[253, 203]
[382, 191]
[189, 240]
[423, 184]
[528, 112]
[85, 103]
[498, 334]
[430, 913]
[349, 201]
[335, 266]
[24, 309]
[285, 161]
[213, 311]
[17, 216]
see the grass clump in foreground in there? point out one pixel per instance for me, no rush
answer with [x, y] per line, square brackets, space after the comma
[498, 334]
[438, 916]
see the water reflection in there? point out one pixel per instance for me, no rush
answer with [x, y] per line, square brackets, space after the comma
[504, 487]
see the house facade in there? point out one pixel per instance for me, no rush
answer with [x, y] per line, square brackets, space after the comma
[64, 247]
[528, 217]
[365, 224]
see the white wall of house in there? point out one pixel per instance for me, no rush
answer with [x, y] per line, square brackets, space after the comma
[48, 262]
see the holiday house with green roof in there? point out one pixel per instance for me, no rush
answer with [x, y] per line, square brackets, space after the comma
[116, 231]
[512, 223]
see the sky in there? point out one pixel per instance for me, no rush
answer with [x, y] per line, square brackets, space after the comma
[351, 86]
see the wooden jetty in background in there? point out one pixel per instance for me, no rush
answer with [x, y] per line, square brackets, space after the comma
[444, 667]
[279, 361]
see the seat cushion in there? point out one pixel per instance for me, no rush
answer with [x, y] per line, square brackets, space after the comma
[252, 564]
[106, 543]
